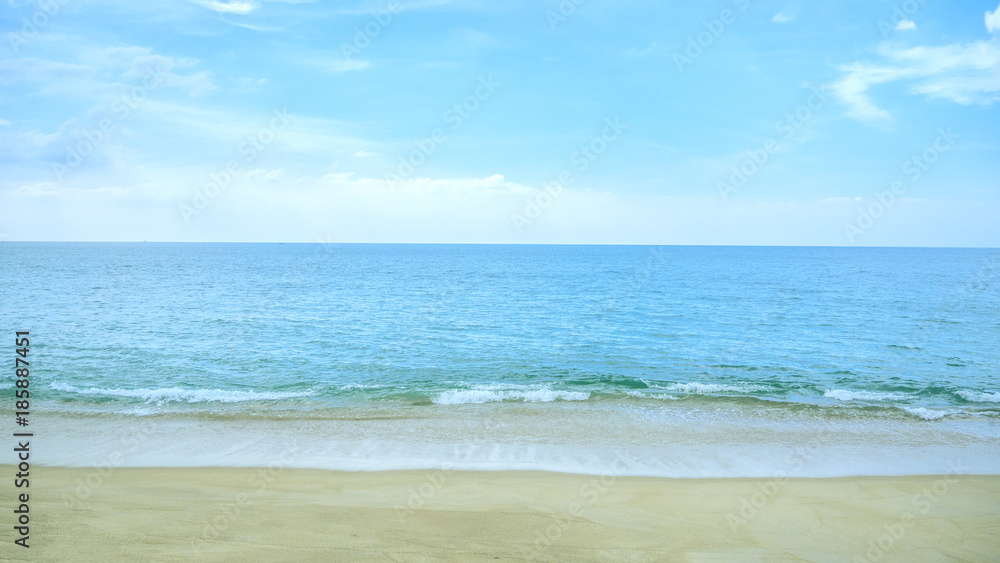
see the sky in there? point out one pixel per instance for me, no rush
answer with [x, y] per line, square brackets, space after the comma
[732, 122]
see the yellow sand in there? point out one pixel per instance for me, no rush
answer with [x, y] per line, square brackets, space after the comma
[223, 514]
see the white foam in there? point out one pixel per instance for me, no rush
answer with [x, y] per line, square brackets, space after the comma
[499, 393]
[178, 395]
[661, 396]
[708, 388]
[140, 411]
[351, 386]
[978, 396]
[926, 414]
[849, 395]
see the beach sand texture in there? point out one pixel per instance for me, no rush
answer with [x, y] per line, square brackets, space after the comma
[238, 514]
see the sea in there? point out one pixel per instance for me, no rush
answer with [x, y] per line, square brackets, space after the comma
[669, 361]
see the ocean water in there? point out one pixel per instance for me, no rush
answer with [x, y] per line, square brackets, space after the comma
[686, 361]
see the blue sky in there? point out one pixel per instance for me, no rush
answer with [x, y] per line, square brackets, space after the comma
[634, 122]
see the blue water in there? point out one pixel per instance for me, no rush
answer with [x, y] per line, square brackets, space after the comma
[361, 323]
[309, 330]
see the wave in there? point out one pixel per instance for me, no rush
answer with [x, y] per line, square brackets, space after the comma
[924, 404]
[178, 395]
[696, 388]
[660, 396]
[978, 396]
[353, 386]
[500, 393]
[850, 395]
[927, 414]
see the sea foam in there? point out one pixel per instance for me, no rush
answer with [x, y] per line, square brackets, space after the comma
[850, 395]
[641, 395]
[978, 396]
[707, 388]
[178, 395]
[925, 413]
[499, 393]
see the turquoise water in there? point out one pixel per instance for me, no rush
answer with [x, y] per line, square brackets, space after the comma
[718, 335]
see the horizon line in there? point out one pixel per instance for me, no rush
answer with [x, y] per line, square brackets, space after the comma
[492, 244]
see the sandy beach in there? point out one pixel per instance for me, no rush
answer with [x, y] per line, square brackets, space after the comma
[227, 514]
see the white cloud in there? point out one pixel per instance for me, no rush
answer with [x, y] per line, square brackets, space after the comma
[33, 69]
[852, 90]
[840, 200]
[231, 7]
[254, 27]
[265, 175]
[965, 73]
[473, 39]
[782, 17]
[993, 20]
[340, 65]
[207, 127]
[195, 83]
[4, 122]
[655, 49]
[106, 71]
[39, 188]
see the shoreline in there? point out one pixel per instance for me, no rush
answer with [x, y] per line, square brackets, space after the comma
[231, 514]
[551, 438]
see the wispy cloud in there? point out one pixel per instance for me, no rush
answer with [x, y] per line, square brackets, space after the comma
[231, 7]
[338, 65]
[473, 39]
[905, 24]
[655, 49]
[782, 17]
[33, 69]
[965, 73]
[255, 27]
